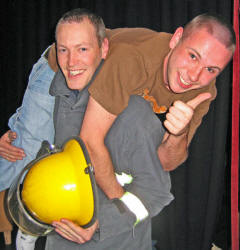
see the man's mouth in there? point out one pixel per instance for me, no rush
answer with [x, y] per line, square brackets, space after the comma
[75, 72]
[183, 83]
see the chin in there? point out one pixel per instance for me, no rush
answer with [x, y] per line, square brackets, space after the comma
[175, 90]
[75, 85]
[72, 86]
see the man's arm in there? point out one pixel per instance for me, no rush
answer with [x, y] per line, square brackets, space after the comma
[9, 151]
[173, 151]
[97, 121]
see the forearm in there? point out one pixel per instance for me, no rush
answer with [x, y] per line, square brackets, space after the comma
[104, 171]
[97, 121]
[173, 151]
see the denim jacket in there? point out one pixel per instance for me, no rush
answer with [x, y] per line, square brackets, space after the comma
[33, 121]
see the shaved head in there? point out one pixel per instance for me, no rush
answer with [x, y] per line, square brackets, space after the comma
[215, 26]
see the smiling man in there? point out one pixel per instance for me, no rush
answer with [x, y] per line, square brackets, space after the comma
[79, 52]
[81, 47]
[194, 63]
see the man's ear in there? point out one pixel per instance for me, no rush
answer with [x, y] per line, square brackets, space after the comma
[104, 48]
[176, 37]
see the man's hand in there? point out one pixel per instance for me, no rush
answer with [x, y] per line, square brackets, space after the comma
[8, 151]
[173, 150]
[180, 114]
[73, 232]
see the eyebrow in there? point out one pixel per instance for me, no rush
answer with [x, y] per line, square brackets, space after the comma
[77, 45]
[214, 67]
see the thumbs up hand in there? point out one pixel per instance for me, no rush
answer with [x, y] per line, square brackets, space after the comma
[180, 114]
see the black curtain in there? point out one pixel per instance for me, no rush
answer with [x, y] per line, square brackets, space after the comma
[27, 28]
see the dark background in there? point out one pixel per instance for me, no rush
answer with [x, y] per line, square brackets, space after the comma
[198, 215]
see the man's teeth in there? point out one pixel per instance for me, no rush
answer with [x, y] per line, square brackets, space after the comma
[75, 72]
[185, 83]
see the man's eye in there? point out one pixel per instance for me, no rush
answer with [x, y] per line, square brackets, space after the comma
[83, 49]
[211, 70]
[193, 56]
[61, 50]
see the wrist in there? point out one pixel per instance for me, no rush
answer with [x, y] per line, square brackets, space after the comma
[178, 139]
[135, 205]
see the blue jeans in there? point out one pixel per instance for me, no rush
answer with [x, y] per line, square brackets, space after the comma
[33, 121]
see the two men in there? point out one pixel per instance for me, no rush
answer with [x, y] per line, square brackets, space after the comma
[185, 73]
[77, 72]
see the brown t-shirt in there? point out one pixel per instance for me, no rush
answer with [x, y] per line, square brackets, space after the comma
[134, 63]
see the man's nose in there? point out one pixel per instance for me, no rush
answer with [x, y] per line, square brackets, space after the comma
[71, 59]
[194, 73]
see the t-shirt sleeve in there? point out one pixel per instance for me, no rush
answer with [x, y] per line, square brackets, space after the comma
[122, 74]
[52, 58]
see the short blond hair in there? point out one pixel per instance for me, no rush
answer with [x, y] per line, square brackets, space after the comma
[78, 15]
[215, 25]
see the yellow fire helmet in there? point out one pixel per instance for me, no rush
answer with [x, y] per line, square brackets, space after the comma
[59, 184]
